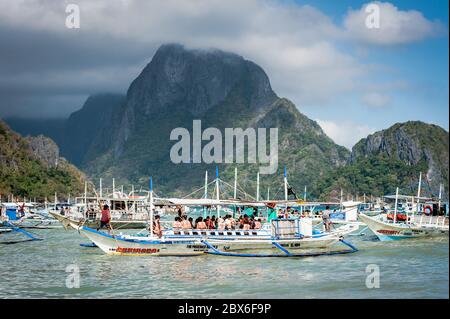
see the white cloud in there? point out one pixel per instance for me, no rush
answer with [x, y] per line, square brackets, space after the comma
[395, 27]
[345, 133]
[294, 44]
[375, 99]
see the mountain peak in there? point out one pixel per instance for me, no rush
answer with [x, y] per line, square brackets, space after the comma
[195, 80]
[35, 159]
[415, 143]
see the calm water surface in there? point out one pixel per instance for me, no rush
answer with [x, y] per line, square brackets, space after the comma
[408, 269]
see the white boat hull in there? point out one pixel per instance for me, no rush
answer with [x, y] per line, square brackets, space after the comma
[134, 245]
[149, 246]
[262, 244]
[389, 231]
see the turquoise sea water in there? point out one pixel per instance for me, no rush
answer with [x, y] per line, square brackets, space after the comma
[408, 269]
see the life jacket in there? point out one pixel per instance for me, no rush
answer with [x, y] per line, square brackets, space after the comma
[400, 217]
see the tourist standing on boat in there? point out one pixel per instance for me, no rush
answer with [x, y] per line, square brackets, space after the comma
[157, 226]
[106, 217]
[258, 224]
[22, 210]
[326, 218]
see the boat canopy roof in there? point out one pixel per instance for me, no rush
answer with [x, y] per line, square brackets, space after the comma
[10, 205]
[234, 202]
[408, 197]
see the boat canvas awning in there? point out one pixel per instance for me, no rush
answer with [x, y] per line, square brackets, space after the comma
[408, 197]
[234, 202]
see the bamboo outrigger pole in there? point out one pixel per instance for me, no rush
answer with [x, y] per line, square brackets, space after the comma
[85, 195]
[418, 191]
[217, 191]
[257, 186]
[206, 193]
[151, 206]
[206, 184]
[285, 189]
[395, 208]
[304, 199]
[235, 190]
[235, 183]
[440, 197]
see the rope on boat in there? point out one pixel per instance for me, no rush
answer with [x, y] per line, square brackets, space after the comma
[215, 251]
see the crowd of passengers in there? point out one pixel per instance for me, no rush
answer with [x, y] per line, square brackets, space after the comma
[227, 222]
[244, 222]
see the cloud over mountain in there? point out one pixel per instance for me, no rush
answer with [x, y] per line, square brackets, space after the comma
[300, 47]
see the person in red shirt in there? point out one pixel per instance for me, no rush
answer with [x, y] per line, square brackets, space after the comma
[106, 218]
[209, 223]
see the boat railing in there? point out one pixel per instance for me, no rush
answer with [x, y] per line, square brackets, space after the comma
[115, 215]
[286, 228]
[214, 232]
[127, 215]
[429, 221]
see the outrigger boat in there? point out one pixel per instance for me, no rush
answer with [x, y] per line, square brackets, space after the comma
[9, 226]
[128, 211]
[199, 242]
[283, 234]
[411, 222]
[28, 215]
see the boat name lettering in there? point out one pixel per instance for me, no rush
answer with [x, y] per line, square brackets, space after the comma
[137, 250]
[388, 232]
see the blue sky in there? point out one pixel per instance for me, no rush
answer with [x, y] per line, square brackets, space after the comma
[423, 65]
[318, 53]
